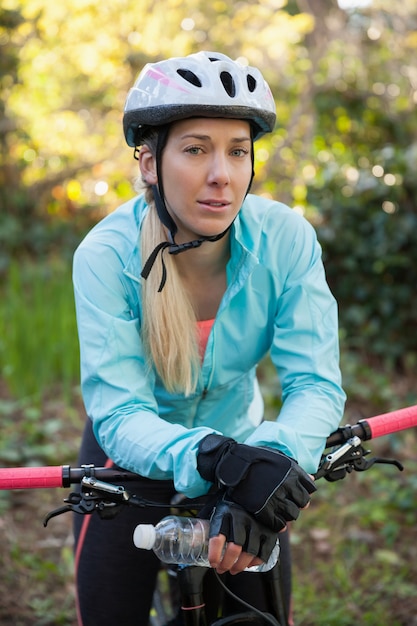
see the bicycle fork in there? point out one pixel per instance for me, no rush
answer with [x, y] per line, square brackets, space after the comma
[190, 579]
[193, 609]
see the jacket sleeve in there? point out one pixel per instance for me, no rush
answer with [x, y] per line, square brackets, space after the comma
[305, 352]
[117, 385]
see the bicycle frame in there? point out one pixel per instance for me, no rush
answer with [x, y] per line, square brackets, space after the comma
[101, 492]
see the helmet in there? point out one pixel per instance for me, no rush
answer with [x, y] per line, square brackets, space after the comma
[205, 84]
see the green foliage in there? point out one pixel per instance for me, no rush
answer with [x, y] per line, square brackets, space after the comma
[23, 237]
[364, 191]
[65, 151]
[39, 435]
[38, 337]
[371, 262]
[352, 550]
[345, 90]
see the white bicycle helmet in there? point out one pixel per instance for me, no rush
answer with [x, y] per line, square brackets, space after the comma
[205, 84]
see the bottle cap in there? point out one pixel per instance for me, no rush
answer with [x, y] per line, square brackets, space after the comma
[144, 536]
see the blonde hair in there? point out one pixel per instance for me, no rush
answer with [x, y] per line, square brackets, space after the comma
[169, 328]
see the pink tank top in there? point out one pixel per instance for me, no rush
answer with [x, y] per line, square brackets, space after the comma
[204, 327]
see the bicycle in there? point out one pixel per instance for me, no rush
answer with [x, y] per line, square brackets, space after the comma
[100, 493]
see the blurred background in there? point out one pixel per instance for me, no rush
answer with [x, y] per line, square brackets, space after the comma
[344, 154]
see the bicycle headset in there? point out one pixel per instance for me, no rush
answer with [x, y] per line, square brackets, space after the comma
[204, 84]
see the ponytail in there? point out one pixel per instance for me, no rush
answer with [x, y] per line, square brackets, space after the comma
[169, 328]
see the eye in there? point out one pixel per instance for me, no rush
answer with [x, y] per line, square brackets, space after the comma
[239, 152]
[193, 150]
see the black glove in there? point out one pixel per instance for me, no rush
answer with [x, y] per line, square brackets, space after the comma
[266, 483]
[238, 526]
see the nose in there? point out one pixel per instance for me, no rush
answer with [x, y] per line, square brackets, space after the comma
[219, 173]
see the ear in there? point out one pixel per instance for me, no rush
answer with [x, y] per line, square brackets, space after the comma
[147, 166]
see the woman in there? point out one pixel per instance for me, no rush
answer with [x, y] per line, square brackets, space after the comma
[180, 293]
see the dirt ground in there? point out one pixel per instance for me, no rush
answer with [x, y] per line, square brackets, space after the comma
[36, 584]
[36, 563]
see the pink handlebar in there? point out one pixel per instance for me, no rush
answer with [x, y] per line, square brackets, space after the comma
[392, 422]
[31, 477]
[64, 476]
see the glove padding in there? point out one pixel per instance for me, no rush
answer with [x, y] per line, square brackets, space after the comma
[238, 526]
[265, 482]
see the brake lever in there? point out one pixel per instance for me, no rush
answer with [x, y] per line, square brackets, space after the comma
[96, 495]
[361, 465]
[349, 457]
[76, 503]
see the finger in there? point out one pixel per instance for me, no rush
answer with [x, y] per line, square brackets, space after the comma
[309, 501]
[216, 548]
[230, 556]
[245, 560]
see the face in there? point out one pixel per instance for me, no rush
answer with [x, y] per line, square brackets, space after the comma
[206, 170]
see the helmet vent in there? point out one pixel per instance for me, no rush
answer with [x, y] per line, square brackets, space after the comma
[251, 83]
[190, 77]
[228, 84]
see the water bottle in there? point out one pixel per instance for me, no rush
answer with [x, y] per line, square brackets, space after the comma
[184, 540]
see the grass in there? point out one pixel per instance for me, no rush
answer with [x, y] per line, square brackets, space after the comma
[355, 548]
[38, 337]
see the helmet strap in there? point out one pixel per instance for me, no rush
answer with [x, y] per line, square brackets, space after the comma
[174, 248]
[158, 190]
[167, 220]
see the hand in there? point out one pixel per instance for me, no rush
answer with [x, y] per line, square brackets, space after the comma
[265, 482]
[228, 556]
[237, 540]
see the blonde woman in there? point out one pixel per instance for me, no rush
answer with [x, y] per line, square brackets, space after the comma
[180, 293]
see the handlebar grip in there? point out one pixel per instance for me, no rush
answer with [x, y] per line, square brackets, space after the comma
[392, 422]
[32, 477]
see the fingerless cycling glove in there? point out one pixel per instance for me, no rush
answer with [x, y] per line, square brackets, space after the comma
[265, 482]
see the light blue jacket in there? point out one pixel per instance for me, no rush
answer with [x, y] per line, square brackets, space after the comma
[277, 300]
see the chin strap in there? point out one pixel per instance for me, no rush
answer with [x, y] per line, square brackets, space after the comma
[173, 248]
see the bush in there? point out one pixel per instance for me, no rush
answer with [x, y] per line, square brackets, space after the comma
[365, 197]
[371, 264]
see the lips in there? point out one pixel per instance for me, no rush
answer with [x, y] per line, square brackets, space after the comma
[214, 204]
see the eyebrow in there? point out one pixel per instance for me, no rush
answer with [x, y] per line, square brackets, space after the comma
[208, 138]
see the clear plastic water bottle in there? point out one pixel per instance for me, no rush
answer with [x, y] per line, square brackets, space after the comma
[184, 540]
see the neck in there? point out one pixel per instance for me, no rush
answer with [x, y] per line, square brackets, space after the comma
[203, 273]
[210, 259]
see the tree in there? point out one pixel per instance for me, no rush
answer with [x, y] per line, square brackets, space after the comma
[345, 85]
